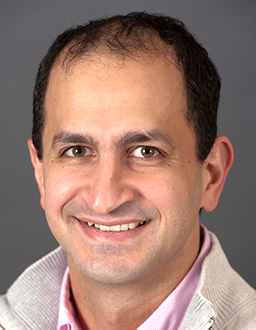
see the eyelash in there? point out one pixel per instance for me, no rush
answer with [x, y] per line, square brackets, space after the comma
[156, 152]
[71, 149]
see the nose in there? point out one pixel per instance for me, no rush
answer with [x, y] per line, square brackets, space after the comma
[109, 187]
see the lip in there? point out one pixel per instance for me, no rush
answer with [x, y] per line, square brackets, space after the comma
[110, 222]
[108, 236]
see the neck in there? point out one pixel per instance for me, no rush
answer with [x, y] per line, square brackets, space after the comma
[115, 308]
[102, 306]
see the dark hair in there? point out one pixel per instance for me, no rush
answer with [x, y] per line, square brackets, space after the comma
[130, 35]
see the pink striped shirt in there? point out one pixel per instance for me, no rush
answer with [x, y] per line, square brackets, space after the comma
[168, 315]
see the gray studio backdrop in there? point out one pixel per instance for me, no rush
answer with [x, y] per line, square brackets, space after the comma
[226, 28]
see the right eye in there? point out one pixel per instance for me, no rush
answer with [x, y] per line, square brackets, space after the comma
[78, 151]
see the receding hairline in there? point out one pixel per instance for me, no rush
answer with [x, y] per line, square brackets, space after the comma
[151, 46]
[65, 63]
[201, 79]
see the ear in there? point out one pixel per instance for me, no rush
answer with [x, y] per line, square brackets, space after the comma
[38, 170]
[215, 170]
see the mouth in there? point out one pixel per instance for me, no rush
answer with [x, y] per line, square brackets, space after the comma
[117, 228]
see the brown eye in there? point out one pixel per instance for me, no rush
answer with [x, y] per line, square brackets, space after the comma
[78, 151]
[144, 152]
[148, 151]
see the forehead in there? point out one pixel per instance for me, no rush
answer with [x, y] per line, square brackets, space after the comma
[149, 83]
[105, 99]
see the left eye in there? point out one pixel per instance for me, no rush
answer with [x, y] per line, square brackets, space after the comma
[78, 151]
[144, 152]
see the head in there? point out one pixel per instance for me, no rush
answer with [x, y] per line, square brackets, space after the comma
[126, 154]
[129, 37]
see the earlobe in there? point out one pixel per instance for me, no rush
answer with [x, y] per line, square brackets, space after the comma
[215, 170]
[38, 170]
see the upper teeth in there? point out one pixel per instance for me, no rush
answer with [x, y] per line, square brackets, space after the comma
[123, 227]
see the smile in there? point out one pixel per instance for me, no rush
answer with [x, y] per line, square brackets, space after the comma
[117, 228]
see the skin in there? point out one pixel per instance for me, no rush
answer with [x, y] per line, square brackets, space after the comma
[111, 112]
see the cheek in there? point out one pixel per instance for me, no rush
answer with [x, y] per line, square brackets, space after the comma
[60, 187]
[161, 189]
[174, 194]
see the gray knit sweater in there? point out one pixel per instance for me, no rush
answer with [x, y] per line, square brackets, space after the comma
[222, 301]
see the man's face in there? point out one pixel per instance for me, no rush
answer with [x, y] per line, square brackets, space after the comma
[118, 154]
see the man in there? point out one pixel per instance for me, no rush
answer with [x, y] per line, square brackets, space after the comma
[126, 155]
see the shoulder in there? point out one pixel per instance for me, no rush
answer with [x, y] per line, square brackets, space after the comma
[233, 299]
[32, 301]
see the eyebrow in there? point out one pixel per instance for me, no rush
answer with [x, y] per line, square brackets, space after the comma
[145, 136]
[155, 135]
[62, 138]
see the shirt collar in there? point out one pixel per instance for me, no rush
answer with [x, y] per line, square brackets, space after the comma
[167, 316]
[171, 312]
[67, 316]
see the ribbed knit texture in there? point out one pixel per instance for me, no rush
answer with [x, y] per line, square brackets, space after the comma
[233, 300]
[32, 302]
[34, 296]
